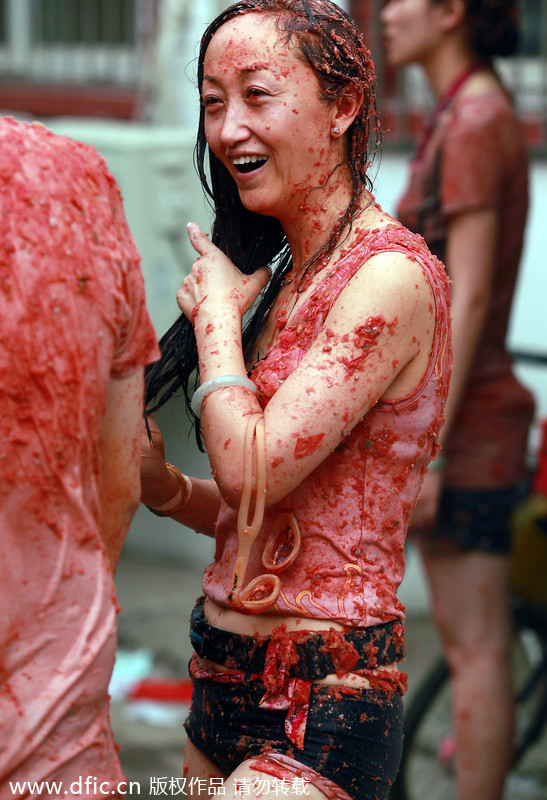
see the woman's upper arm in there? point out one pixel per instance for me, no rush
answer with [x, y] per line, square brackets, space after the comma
[470, 262]
[119, 481]
[118, 441]
[470, 251]
[381, 323]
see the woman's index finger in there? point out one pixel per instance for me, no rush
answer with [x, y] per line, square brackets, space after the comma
[199, 239]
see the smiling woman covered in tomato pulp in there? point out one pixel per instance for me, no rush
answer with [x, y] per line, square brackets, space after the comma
[319, 414]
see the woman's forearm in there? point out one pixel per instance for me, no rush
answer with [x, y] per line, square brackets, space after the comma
[201, 511]
[198, 512]
[163, 488]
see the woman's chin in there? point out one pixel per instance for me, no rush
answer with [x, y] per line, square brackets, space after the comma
[258, 206]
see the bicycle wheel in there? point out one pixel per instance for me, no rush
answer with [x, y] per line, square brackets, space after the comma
[427, 771]
[426, 725]
[528, 776]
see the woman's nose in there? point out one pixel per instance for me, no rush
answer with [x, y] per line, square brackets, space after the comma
[234, 128]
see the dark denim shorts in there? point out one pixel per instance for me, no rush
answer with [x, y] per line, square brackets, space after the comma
[354, 740]
[353, 737]
[475, 520]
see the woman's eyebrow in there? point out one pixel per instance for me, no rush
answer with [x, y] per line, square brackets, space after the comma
[244, 71]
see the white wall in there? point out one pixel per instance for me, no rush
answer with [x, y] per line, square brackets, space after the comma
[529, 320]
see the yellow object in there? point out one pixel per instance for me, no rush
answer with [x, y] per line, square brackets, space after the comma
[529, 550]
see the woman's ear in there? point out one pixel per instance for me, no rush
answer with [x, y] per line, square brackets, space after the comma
[345, 109]
[453, 14]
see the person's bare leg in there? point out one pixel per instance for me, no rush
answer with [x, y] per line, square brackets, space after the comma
[198, 772]
[471, 610]
[243, 782]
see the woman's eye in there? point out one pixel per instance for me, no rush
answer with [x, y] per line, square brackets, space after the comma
[255, 92]
[211, 101]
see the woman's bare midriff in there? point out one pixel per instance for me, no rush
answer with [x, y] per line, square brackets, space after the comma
[263, 625]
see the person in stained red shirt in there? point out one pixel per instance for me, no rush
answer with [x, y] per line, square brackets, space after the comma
[467, 195]
[74, 338]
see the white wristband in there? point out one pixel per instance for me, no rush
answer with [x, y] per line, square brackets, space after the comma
[221, 382]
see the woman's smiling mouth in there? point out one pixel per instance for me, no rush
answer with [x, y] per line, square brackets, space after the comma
[246, 164]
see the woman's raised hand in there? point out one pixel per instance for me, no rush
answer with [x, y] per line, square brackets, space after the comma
[215, 280]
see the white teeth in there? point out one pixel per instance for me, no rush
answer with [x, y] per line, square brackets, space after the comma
[248, 160]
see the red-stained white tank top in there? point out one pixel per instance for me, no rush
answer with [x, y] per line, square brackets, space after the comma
[353, 509]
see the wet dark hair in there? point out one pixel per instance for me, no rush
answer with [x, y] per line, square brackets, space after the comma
[328, 40]
[492, 27]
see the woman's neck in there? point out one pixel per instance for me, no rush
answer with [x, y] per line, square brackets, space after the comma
[312, 224]
[445, 66]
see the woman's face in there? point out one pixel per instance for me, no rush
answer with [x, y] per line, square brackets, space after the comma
[412, 30]
[264, 118]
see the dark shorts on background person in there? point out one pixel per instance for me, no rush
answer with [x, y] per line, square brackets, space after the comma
[475, 520]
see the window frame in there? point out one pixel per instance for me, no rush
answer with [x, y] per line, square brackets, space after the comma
[23, 59]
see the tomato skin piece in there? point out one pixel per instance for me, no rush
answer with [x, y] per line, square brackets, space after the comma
[306, 445]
